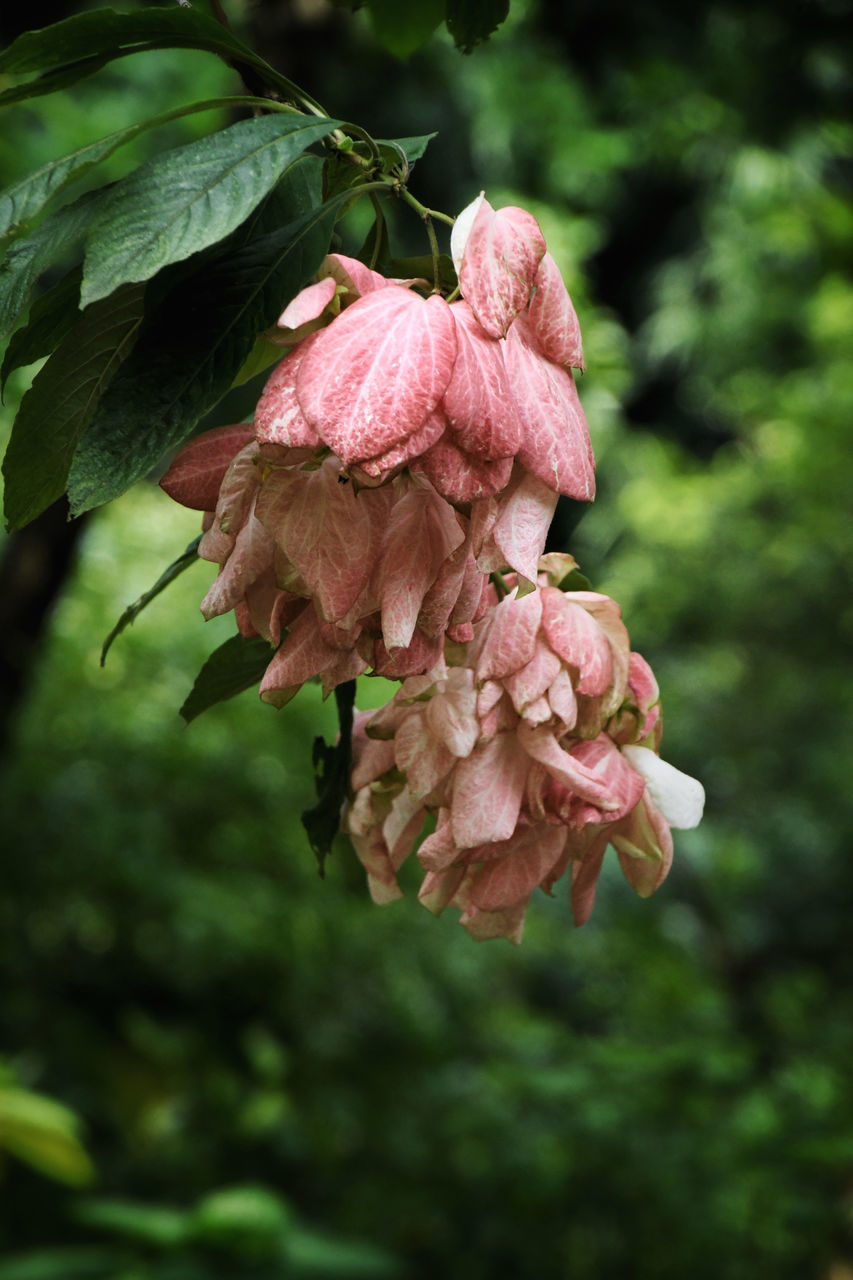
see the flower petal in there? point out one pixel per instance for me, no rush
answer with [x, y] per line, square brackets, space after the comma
[498, 263]
[553, 321]
[372, 377]
[555, 442]
[487, 789]
[461, 477]
[477, 401]
[196, 474]
[680, 798]
[278, 417]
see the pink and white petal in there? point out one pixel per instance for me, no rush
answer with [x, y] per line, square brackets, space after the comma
[477, 401]
[608, 616]
[422, 654]
[511, 640]
[251, 555]
[576, 638]
[498, 264]
[278, 417]
[523, 516]
[585, 873]
[442, 598]
[553, 321]
[562, 700]
[439, 851]
[644, 844]
[462, 229]
[369, 843]
[238, 490]
[555, 443]
[381, 467]
[625, 785]
[440, 887]
[489, 696]
[356, 278]
[452, 719]
[373, 376]
[528, 683]
[348, 665]
[333, 536]
[309, 304]
[523, 863]
[680, 798]
[302, 654]
[462, 477]
[421, 756]
[196, 474]
[404, 821]
[488, 786]
[469, 601]
[485, 926]
[541, 745]
[422, 532]
[373, 759]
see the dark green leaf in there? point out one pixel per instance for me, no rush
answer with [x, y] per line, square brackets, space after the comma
[332, 768]
[167, 577]
[403, 28]
[193, 347]
[414, 148]
[53, 81]
[77, 46]
[470, 21]
[51, 316]
[62, 400]
[25, 198]
[191, 197]
[235, 666]
[25, 260]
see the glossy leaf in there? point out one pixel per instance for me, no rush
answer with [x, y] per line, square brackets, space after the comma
[79, 45]
[59, 406]
[189, 198]
[26, 197]
[192, 349]
[235, 666]
[26, 260]
[51, 316]
[167, 577]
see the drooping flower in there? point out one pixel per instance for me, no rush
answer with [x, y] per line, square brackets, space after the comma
[476, 395]
[359, 579]
[534, 754]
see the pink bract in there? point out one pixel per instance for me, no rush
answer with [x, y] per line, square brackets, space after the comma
[521, 794]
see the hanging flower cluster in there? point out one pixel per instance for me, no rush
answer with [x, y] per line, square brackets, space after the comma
[536, 749]
[405, 449]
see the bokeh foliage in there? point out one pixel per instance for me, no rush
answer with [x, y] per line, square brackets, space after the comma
[664, 1093]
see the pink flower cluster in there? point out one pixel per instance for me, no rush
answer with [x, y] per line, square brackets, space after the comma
[405, 449]
[534, 753]
[458, 390]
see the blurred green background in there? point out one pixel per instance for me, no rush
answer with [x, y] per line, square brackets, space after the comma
[217, 1065]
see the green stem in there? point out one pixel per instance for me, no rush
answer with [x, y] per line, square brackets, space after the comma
[499, 583]
[379, 226]
[426, 215]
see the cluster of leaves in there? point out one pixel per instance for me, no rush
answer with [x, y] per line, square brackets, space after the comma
[172, 273]
[402, 29]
